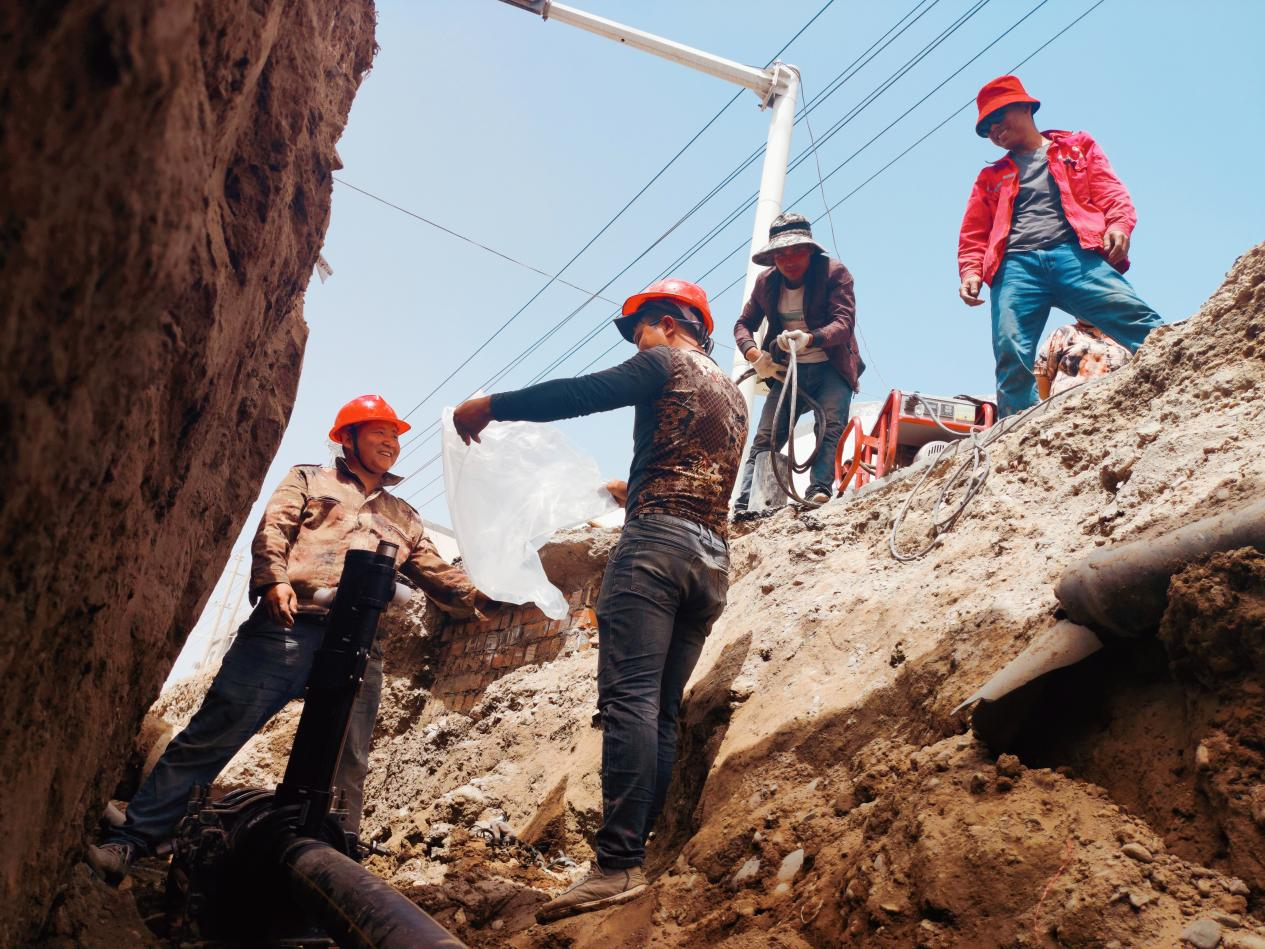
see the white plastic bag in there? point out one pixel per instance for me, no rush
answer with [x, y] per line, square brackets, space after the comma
[507, 494]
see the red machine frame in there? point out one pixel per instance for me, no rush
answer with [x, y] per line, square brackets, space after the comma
[874, 455]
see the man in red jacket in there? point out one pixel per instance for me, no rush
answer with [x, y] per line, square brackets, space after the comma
[1046, 225]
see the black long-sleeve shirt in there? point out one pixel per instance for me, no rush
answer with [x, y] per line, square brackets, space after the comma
[690, 426]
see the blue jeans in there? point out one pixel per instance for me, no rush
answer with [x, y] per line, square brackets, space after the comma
[1075, 280]
[822, 381]
[266, 667]
[664, 587]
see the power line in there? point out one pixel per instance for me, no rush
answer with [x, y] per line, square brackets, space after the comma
[898, 29]
[605, 227]
[821, 179]
[734, 215]
[462, 237]
[414, 442]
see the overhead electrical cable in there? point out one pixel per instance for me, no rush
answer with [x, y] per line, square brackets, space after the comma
[646, 187]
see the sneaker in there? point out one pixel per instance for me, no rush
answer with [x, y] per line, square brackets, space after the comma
[598, 890]
[112, 860]
[818, 497]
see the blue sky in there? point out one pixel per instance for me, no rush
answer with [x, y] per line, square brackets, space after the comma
[528, 136]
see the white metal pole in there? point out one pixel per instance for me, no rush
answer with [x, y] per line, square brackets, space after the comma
[772, 189]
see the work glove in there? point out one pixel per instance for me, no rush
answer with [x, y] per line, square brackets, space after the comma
[766, 368]
[796, 340]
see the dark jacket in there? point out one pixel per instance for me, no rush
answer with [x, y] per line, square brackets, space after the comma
[829, 311]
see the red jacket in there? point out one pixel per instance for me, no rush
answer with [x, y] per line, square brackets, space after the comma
[1094, 201]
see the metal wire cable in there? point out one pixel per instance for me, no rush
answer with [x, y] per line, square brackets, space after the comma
[646, 187]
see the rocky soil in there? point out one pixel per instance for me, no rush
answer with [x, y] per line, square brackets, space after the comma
[827, 794]
[165, 193]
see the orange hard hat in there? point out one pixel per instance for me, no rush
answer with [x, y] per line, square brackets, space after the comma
[682, 291]
[366, 408]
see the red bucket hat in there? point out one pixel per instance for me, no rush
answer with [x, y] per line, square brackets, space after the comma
[1001, 92]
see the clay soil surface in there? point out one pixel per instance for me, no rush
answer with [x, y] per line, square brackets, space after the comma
[827, 794]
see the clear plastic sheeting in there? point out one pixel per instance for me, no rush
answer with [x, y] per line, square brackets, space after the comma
[507, 494]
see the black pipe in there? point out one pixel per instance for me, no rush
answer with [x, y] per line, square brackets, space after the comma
[1123, 590]
[357, 909]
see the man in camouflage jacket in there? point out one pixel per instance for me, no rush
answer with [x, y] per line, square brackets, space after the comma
[666, 581]
[314, 517]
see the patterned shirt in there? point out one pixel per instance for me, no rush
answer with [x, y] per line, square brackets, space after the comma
[691, 424]
[1077, 352]
[319, 513]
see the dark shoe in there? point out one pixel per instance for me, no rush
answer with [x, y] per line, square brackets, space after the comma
[113, 860]
[598, 890]
[818, 497]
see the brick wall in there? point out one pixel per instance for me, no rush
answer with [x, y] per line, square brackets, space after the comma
[472, 654]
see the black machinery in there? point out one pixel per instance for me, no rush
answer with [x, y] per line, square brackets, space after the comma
[277, 868]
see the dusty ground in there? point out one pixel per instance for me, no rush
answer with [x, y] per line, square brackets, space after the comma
[826, 793]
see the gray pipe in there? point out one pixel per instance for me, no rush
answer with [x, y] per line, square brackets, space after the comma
[357, 909]
[1123, 590]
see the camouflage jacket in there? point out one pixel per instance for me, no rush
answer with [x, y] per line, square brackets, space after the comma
[317, 514]
[1077, 352]
[691, 423]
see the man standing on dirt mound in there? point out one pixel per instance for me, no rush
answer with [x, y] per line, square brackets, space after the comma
[314, 517]
[1048, 224]
[808, 300]
[666, 581]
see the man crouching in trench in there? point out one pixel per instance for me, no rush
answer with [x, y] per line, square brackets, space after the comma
[666, 581]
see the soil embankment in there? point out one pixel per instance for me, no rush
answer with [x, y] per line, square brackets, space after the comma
[166, 190]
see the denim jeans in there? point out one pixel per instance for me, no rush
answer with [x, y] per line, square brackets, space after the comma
[822, 381]
[266, 667]
[1075, 280]
[664, 587]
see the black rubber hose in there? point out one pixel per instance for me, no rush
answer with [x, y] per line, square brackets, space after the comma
[1123, 590]
[357, 909]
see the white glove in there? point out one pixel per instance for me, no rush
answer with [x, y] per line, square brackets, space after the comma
[766, 368]
[797, 340]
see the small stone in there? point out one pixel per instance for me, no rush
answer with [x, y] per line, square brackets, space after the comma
[1238, 887]
[781, 889]
[1203, 757]
[756, 838]
[498, 924]
[459, 917]
[1138, 900]
[747, 871]
[1204, 887]
[1137, 852]
[1202, 934]
[745, 908]
[1009, 766]
[979, 783]
[1228, 920]
[1004, 784]
[1243, 941]
[791, 865]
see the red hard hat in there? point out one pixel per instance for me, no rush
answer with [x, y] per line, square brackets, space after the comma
[691, 294]
[366, 408]
[1001, 92]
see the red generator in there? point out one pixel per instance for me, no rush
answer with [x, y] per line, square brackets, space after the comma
[906, 423]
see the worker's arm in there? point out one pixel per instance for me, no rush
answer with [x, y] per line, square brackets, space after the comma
[270, 550]
[447, 586]
[1110, 195]
[1046, 364]
[977, 223]
[636, 380]
[841, 309]
[749, 322]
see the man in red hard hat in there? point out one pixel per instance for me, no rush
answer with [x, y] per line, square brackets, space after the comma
[314, 517]
[808, 301]
[666, 581]
[1048, 224]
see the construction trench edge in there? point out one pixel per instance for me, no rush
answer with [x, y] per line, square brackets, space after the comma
[826, 793]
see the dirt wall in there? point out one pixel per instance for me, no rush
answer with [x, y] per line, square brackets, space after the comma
[164, 191]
